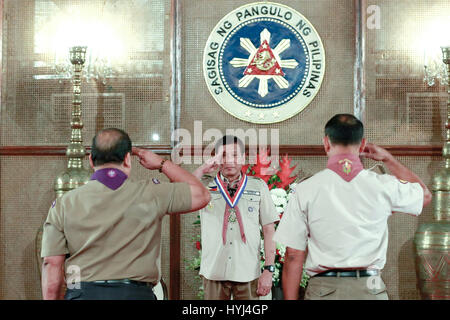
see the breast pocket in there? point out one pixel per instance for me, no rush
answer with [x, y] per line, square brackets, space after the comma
[250, 206]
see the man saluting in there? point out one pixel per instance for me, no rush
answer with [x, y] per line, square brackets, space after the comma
[340, 214]
[230, 227]
[110, 228]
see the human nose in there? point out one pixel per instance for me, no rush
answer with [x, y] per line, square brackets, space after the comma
[229, 159]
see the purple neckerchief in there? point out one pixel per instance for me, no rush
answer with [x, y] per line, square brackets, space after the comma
[347, 165]
[110, 177]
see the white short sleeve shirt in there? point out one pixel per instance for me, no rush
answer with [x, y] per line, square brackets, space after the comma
[344, 224]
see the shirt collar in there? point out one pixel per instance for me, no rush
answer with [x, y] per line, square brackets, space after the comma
[346, 165]
[111, 177]
[228, 181]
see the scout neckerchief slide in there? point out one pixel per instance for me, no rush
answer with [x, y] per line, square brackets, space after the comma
[232, 212]
[347, 166]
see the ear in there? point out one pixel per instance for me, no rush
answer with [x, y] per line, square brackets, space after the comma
[127, 160]
[326, 144]
[91, 163]
[362, 146]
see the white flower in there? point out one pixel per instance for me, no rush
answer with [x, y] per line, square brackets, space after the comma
[278, 192]
[274, 198]
[281, 248]
[279, 197]
[276, 275]
[279, 201]
[283, 202]
[279, 209]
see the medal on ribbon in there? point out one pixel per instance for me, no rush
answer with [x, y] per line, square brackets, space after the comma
[232, 217]
[232, 202]
[232, 213]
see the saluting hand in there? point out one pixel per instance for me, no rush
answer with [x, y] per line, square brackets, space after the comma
[209, 166]
[212, 164]
[147, 159]
[374, 152]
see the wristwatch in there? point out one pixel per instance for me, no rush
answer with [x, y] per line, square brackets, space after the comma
[271, 268]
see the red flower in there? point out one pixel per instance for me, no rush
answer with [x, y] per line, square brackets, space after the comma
[261, 168]
[285, 172]
[198, 245]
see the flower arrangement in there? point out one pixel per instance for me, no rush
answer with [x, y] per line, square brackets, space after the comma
[279, 183]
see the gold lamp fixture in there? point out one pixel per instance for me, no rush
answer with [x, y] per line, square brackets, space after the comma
[432, 240]
[75, 175]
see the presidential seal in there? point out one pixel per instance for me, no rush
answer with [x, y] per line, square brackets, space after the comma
[264, 62]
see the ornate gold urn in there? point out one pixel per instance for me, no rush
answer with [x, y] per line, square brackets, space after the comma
[75, 175]
[432, 240]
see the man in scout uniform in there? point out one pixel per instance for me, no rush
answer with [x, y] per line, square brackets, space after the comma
[230, 228]
[340, 214]
[110, 228]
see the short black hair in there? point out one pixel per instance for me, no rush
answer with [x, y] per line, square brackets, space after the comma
[229, 139]
[344, 129]
[110, 145]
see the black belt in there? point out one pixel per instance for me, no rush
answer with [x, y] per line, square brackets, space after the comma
[124, 281]
[348, 273]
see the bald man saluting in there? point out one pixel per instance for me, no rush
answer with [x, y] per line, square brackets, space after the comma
[110, 228]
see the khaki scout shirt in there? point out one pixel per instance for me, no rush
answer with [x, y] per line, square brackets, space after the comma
[236, 260]
[344, 224]
[113, 234]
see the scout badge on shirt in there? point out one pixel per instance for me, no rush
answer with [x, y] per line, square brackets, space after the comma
[346, 166]
[111, 173]
[232, 213]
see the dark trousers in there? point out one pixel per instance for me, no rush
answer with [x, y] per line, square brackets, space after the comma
[110, 291]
